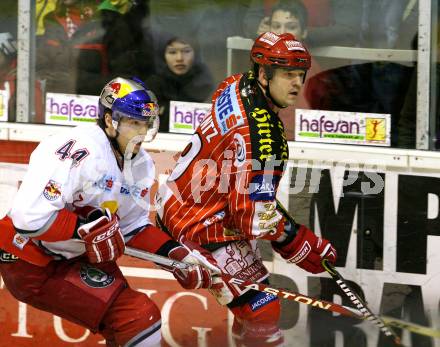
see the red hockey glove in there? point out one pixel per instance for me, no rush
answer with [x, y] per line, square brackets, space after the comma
[203, 274]
[103, 238]
[211, 276]
[307, 250]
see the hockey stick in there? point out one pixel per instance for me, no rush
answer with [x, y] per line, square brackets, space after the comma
[288, 295]
[281, 293]
[359, 303]
[383, 320]
[412, 327]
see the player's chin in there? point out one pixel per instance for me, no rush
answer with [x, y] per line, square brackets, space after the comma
[290, 101]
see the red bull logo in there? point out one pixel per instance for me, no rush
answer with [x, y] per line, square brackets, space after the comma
[150, 109]
[52, 190]
[115, 87]
[119, 90]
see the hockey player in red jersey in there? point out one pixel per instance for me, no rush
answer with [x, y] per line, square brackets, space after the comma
[85, 196]
[221, 193]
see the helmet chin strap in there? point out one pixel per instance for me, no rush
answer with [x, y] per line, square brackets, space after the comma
[114, 143]
[113, 140]
[269, 96]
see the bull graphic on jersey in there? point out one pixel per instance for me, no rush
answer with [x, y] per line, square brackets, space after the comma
[52, 190]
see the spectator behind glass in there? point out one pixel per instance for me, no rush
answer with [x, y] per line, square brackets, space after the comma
[8, 78]
[257, 17]
[290, 16]
[338, 23]
[370, 86]
[91, 54]
[42, 8]
[129, 49]
[181, 76]
[56, 52]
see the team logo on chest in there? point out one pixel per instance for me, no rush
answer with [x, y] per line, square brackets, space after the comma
[106, 183]
[94, 277]
[134, 190]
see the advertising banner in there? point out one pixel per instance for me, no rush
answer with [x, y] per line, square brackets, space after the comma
[185, 117]
[371, 129]
[384, 224]
[70, 109]
[4, 100]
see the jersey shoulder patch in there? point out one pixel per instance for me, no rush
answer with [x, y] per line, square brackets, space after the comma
[228, 109]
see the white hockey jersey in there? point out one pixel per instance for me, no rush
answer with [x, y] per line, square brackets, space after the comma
[78, 168]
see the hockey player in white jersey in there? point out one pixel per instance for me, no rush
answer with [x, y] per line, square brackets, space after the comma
[85, 196]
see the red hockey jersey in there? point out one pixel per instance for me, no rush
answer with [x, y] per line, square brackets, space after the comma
[224, 184]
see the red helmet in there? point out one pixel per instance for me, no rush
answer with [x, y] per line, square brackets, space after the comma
[282, 50]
